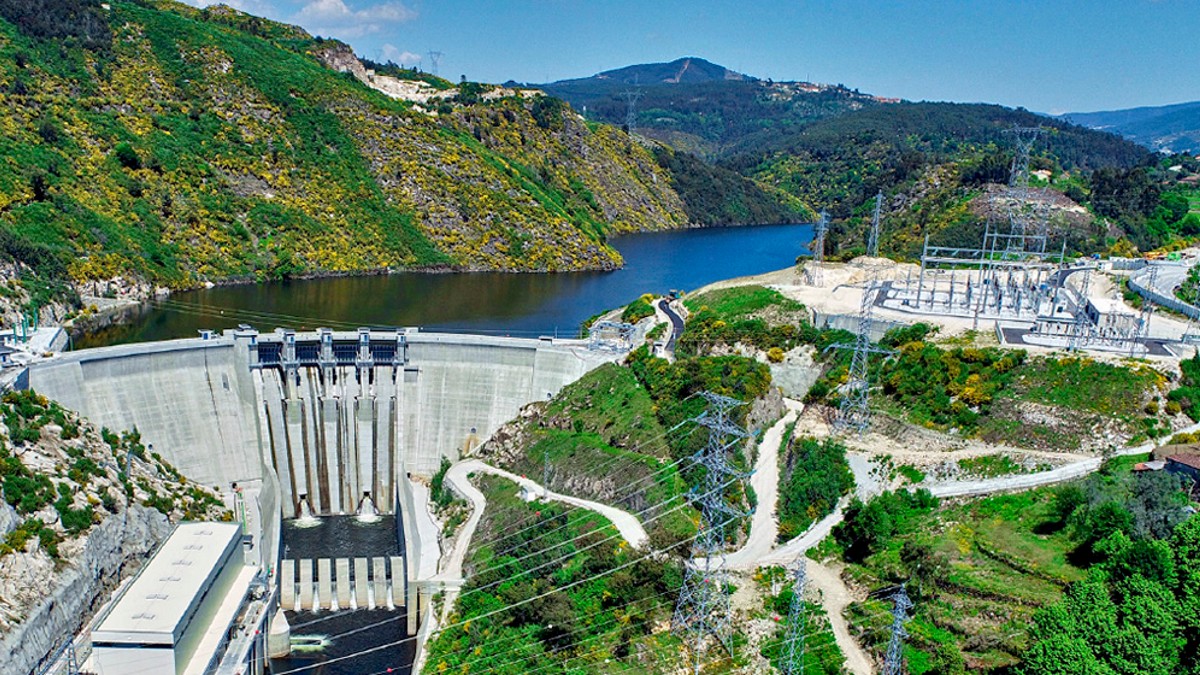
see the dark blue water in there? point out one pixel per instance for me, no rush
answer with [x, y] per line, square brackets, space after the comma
[513, 304]
[360, 641]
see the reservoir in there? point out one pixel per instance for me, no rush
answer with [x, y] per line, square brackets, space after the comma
[521, 305]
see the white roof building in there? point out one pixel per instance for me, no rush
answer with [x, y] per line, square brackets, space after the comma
[177, 614]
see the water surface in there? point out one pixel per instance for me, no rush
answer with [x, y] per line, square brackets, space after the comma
[485, 302]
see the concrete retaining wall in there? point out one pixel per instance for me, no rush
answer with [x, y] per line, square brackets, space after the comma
[849, 322]
[1137, 283]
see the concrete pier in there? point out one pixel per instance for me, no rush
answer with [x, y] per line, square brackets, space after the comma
[287, 584]
[325, 584]
[306, 583]
[361, 595]
[379, 577]
[396, 579]
[344, 589]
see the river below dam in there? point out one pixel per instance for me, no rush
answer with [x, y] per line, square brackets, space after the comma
[521, 305]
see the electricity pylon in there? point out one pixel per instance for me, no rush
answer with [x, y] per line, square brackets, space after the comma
[854, 412]
[793, 646]
[703, 610]
[894, 663]
[818, 250]
[873, 241]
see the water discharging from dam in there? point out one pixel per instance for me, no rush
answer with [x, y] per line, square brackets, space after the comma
[344, 547]
[328, 439]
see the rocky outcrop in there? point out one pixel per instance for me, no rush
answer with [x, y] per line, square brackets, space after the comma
[60, 596]
[82, 509]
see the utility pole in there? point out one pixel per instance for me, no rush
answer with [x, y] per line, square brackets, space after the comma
[703, 609]
[894, 664]
[873, 241]
[793, 648]
[854, 411]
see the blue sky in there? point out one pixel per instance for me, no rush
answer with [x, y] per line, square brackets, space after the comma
[1048, 55]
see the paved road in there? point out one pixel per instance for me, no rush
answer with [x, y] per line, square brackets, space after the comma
[457, 476]
[676, 324]
[1016, 336]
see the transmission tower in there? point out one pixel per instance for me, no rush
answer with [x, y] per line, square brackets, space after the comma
[435, 59]
[873, 241]
[1024, 137]
[703, 610]
[818, 249]
[854, 412]
[631, 97]
[1018, 177]
[1143, 328]
[1081, 330]
[793, 650]
[894, 664]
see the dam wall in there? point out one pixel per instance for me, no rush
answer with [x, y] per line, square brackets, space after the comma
[333, 431]
[192, 400]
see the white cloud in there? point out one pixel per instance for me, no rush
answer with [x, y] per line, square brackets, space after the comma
[336, 18]
[403, 57]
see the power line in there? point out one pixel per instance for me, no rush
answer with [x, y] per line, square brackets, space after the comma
[873, 240]
[793, 658]
[894, 663]
[499, 610]
[703, 610]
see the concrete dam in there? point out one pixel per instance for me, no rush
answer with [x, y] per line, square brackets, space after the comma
[319, 424]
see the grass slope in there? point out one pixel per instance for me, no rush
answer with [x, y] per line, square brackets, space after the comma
[209, 144]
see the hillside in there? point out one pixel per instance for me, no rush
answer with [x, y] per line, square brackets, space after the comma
[1167, 128]
[81, 508]
[935, 163]
[701, 107]
[825, 146]
[156, 141]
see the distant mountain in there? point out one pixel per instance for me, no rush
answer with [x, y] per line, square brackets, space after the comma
[702, 107]
[687, 70]
[1169, 128]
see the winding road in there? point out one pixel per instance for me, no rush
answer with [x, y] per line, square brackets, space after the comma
[676, 324]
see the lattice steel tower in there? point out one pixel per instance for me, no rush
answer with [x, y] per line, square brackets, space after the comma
[818, 248]
[631, 97]
[1081, 331]
[1018, 178]
[894, 664]
[435, 60]
[873, 240]
[703, 610]
[854, 411]
[793, 645]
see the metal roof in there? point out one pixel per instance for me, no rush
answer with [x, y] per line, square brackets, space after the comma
[1186, 460]
[156, 606]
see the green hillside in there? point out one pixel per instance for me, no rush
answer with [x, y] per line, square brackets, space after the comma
[177, 145]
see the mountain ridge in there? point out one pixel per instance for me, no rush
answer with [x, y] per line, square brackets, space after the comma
[1167, 128]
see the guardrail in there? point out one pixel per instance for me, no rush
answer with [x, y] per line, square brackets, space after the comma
[1158, 298]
